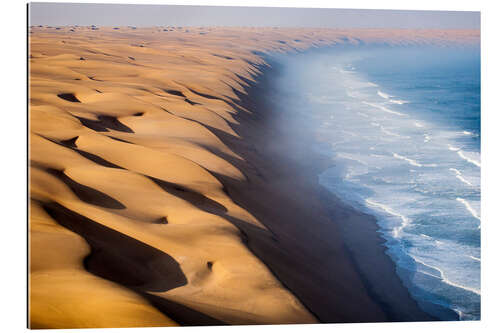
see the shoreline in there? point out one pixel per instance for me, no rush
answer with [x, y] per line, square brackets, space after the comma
[166, 195]
[350, 234]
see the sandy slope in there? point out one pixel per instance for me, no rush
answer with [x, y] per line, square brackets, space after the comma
[128, 224]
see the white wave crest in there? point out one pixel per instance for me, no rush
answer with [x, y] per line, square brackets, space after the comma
[383, 108]
[417, 124]
[469, 208]
[409, 160]
[383, 95]
[444, 278]
[458, 174]
[405, 221]
[351, 157]
[474, 258]
[398, 101]
[463, 155]
[450, 147]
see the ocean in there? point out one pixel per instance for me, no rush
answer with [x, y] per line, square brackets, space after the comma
[402, 128]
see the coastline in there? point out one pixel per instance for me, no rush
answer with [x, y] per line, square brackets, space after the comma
[166, 194]
[338, 247]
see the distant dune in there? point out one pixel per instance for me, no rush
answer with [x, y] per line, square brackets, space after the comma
[130, 223]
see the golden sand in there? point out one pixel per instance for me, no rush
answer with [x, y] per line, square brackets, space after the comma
[127, 221]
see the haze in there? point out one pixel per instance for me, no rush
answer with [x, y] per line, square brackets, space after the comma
[60, 14]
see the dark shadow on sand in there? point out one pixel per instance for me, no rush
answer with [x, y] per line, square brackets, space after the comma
[124, 260]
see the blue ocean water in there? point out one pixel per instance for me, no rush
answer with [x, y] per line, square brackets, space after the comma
[402, 126]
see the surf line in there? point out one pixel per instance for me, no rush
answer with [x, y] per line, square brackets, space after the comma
[444, 278]
[470, 160]
[383, 95]
[405, 221]
[469, 208]
[458, 174]
[383, 108]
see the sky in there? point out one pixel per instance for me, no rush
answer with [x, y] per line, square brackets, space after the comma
[60, 14]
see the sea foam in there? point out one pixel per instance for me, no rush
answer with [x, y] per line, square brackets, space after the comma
[409, 160]
[383, 108]
[383, 95]
[458, 174]
[471, 210]
[463, 155]
[405, 220]
[398, 101]
[444, 278]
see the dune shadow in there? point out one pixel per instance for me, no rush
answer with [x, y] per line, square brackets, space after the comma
[85, 193]
[98, 160]
[104, 123]
[182, 314]
[131, 263]
[118, 257]
[191, 102]
[120, 140]
[222, 56]
[71, 144]
[174, 92]
[197, 199]
[203, 95]
[69, 97]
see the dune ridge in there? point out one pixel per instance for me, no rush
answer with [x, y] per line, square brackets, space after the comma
[131, 223]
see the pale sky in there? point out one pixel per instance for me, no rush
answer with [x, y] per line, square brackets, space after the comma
[59, 14]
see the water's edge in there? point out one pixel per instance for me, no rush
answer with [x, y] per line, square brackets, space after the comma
[320, 246]
[311, 93]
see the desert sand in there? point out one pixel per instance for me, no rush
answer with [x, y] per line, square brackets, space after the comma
[150, 202]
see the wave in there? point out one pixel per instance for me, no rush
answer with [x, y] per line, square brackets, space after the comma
[443, 277]
[387, 96]
[383, 95]
[409, 160]
[474, 258]
[458, 174]
[350, 157]
[417, 124]
[469, 208]
[398, 101]
[405, 220]
[468, 159]
[382, 128]
[383, 108]
[450, 147]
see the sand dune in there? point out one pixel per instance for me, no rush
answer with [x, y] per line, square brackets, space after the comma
[130, 224]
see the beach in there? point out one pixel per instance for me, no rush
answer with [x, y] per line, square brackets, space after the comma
[161, 193]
